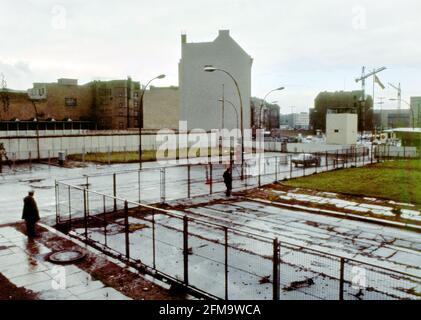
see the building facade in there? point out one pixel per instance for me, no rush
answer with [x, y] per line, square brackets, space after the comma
[299, 121]
[200, 91]
[161, 108]
[416, 111]
[61, 100]
[110, 105]
[392, 118]
[342, 102]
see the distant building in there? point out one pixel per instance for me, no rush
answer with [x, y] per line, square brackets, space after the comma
[161, 108]
[391, 118]
[299, 121]
[416, 110]
[200, 90]
[112, 104]
[116, 103]
[410, 137]
[269, 113]
[342, 102]
[61, 100]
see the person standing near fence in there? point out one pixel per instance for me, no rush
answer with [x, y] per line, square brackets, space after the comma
[228, 181]
[30, 214]
[3, 154]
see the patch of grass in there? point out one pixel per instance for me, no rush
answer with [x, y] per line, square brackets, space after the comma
[395, 180]
[147, 155]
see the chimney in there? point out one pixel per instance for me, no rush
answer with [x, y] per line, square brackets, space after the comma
[224, 32]
[183, 38]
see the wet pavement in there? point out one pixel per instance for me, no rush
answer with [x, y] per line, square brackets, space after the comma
[309, 243]
[22, 262]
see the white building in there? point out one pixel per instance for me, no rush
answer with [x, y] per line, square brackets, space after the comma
[200, 90]
[416, 111]
[341, 128]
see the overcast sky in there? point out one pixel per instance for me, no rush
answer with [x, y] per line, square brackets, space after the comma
[306, 46]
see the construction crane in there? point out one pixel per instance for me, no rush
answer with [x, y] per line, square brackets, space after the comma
[363, 79]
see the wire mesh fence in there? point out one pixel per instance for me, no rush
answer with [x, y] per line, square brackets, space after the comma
[220, 261]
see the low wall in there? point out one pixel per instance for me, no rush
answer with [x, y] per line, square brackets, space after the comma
[303, 147]
[24, 148]
[396, 152]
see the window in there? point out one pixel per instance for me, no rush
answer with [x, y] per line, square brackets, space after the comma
[121, 125]
[136, 94]
[70, 102]
[136, 104]
[336, 130]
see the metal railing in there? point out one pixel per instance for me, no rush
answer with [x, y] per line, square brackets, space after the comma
[219, 261]
[109, 211]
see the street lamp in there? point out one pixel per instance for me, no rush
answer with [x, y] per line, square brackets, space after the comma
[264, 103]
[209, 68]
[235, 109]
[410, 108]
[140, 117]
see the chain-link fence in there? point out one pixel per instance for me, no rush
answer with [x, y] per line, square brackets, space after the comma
[219, 261]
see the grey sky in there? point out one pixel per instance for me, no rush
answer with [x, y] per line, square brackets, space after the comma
[307, 46]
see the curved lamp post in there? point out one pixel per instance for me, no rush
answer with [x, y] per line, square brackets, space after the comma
[210, 68]
[263, 103]
[235, 109]
[140, 117]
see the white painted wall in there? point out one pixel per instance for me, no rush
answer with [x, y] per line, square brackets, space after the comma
[200, 90]
[341, 128]
[24, 148]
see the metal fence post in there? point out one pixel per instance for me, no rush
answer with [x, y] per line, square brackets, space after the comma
[186, 249]
[126, 225]
[153, 241]
[70, 208]
[341, 279]
[290, 167]
[210, 178]
[105, 220]
[162, 185]
[226, 262]
[85, 215]
[276, 168]
[115, 191]
[188, 181]
[275, 269]
[30, 160]
[57, 202]
[259, 169]
[138, 183]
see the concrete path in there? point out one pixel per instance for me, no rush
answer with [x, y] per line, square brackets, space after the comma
[22, 263]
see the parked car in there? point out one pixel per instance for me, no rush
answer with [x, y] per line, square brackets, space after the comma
[306, 160]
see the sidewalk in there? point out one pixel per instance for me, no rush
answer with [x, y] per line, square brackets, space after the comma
[24, 268]
[22, 263]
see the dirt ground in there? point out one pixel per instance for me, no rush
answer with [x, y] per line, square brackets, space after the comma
[112, 275]
[8, 291]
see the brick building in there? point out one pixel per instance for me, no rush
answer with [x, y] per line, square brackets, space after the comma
[110, 104]
[62, 100]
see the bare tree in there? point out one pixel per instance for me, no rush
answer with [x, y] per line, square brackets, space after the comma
[4, 95]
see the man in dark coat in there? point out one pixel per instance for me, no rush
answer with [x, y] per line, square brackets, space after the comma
[30, 213]
[228, 181]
